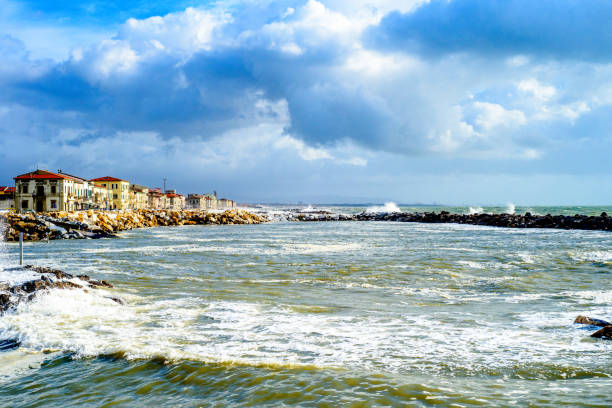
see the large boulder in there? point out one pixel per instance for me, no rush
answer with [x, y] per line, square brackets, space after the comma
[604, 333]
[591, 321]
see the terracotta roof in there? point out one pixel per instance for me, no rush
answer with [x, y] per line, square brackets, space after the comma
[41, 174]
[173, 195]
[107, 178]
[7, 190]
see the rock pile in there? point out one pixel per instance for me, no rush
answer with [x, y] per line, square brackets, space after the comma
[12, 295]
[103, 224]
[582, 222]
[606, 328]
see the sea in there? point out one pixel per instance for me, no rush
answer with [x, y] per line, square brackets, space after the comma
[320, 314]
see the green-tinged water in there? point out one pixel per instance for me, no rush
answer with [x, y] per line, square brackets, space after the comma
[317, 314]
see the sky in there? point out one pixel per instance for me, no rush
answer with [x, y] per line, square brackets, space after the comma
[459, 102]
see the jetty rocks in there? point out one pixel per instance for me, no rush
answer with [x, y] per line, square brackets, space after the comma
[528, 220]
[104, 224]
[12, 295]
[606, 328]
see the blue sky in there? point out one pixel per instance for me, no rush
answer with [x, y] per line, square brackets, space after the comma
[451, 101]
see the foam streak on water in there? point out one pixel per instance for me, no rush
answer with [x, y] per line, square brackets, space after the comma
[331, 313]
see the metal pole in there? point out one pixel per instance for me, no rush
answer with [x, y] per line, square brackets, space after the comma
[21, 248]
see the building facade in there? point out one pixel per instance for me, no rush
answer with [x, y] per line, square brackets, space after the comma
[7, 198]
[156, 199]
[42, 190]
[196, 201]
[174, 201]
[139, 197]
[118, 191]
[225, 203]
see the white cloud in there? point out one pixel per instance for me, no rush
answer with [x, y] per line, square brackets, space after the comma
[305, 152]
[537, 89]
[183, 32]
[489, 116]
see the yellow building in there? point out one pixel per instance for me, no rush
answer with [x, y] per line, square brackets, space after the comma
[118, 190]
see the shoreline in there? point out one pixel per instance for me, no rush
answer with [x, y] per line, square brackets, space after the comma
[94, 224]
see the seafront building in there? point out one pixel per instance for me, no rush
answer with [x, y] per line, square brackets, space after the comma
[139, 197]
[209, 202]
[156, 199]
[42, 191]
[7, 198]
[118, 191]
[225, 203]
[174, 201]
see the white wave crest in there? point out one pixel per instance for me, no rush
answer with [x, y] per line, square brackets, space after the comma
[510, 208]
[389, 207]
[475, 210]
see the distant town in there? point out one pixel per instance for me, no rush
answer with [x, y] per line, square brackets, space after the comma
[44, 191]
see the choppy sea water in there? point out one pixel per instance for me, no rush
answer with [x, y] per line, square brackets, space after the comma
[317, 314]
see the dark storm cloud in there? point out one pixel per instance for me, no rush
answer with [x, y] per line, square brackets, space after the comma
[577, 29]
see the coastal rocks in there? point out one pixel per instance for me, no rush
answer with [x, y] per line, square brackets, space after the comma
[606, 328]
[604, 333]
[582, 222]
[104, 224]
[12, 295]
[591, 321]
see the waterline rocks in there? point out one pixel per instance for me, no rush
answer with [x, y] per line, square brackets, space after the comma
[104, 224]
[606, 328]
[11, 294]
[604, 333]
[591, 321]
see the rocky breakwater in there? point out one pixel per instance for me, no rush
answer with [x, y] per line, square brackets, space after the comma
[33, 281]
[11, 294]
[104, 224]
[528, 220]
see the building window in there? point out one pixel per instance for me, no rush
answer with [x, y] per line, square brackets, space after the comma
[53, 189]
[24, 204]
[53, 203]
[114, 196]
[24, 189]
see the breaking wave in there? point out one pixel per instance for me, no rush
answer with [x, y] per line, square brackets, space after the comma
[475, 210]
[389, 207]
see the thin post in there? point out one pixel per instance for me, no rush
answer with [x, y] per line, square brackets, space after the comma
[21, 248]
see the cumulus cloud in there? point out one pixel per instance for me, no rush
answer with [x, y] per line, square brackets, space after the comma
[313, 85]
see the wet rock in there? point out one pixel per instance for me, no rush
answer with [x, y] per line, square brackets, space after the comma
[94, 283]
[604, 333]
[591, 321]
[5, 300]
[117, 300]
[9, 344]
[12, 295]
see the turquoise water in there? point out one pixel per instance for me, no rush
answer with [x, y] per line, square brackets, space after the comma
[317, 314]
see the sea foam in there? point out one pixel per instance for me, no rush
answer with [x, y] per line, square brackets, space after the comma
[389, 207]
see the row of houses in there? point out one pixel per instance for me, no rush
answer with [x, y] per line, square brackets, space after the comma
[42, 190]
